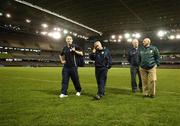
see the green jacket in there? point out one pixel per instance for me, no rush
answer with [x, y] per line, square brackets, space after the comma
[149, 57]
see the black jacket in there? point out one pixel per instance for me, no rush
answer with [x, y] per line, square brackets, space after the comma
[102, 58]
[133, 57]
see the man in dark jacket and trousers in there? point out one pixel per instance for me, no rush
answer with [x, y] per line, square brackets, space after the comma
[149, 60]
[103, 62]
[70, 68]
[133, 59]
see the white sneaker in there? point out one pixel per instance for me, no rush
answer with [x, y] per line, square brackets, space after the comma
[63, 96]
[78, 93]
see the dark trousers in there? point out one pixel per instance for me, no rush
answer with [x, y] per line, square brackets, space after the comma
[135, 71]
[101, 77]
[68, 72]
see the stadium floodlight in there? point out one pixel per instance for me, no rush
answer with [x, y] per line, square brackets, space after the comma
[55, 35]
[119, 40]
[137, 35]
[127, 35]
[44, 25]
[114, 40]
[75, 34]
[1, 14]
[65, 31]
[113, 36]
[8, 15]
[120, 37]
[28, 20]
[178, 36]
[161, 33]
[129, 39]
[43, 32]
[58, 29]
[171, 37]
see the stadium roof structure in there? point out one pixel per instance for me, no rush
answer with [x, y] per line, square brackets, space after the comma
[91, 17]
[106, 16]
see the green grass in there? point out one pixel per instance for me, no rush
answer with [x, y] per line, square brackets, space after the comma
[29, 97]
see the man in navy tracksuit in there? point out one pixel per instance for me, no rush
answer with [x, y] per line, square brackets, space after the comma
[133, 59]
[103, 62]
[67, 58]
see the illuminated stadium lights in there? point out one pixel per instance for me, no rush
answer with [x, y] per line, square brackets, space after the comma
[56, 29]
[44, 33]
[127, 35]
[65, 31]
[120, 36]
[161, 33]
[28, 20]
[113, 36]
[178, 36]
[129, 40]
[137, 35]
[114, 40]
[55, 35]
[171, 37]
[119, 40]
[1, 14]
[8, 15]
[44, 25]
[75, 34]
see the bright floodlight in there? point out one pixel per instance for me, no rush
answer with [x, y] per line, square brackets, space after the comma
[161, 33]
[137, 35]
[113, 36]
[126, 35]
[75, 34]
[178, 36]
[28, 20]
[44, 33]
[129, 40]
[44, 25]
[171, 37]
[120, 36]
[65, 31]
[119, 40]
[8, 15]
[1, 14]
[55, 35]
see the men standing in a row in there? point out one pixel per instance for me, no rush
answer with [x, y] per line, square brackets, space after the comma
[103, 62]
[133, 59]
[149, 60]
[70, 68]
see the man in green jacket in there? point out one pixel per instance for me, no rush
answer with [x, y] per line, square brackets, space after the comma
[149, 59]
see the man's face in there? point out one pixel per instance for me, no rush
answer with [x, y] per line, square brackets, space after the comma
[146, 42]
[135, 43]
[98, 45]
[69, 40]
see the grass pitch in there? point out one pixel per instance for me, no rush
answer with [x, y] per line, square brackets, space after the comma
[29, 97]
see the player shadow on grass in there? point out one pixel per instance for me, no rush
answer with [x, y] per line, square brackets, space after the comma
[57, 92]
[112, 90]
[119, 91]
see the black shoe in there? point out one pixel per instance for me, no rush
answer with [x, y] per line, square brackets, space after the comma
[145, 96]
[151, 96]
[134, 90]
[97, 97]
